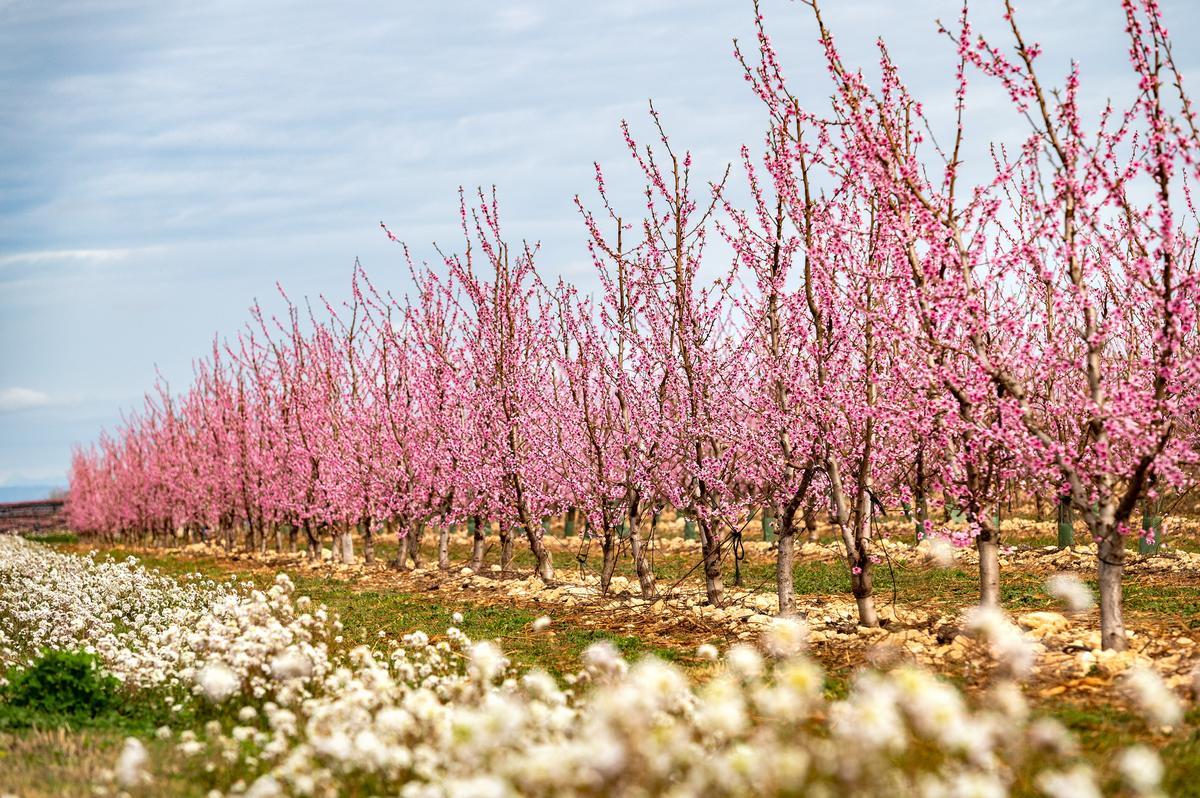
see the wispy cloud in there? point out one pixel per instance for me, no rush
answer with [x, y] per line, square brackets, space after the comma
[14, 399]
[58, 255]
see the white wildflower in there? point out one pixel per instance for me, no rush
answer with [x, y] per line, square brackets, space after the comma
[939, 551]
[266, 786]
[1157, 702]
[486, 663]
[218, 682]
[291, 664]
[1072, 592]
[744, 661]
[975, 785]
[1011, 648]
[601, 659]
[130, 770]
[785, 637]
[1141, 769]
[1075, 783]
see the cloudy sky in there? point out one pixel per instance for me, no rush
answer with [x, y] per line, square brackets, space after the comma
[162, 164]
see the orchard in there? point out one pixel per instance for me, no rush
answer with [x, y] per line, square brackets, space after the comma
[882, 336]
[889, 337]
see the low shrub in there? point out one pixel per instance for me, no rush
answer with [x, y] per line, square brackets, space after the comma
[58, 688]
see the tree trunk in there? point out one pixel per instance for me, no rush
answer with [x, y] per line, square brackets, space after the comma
[609, 564]
[475, 526]
[861, 581]
[785, 556]
[533, 533]
[987, 544]
[1111, 557]
[714, 587]
[414, 543]
[864, 594]
[989, 569]
[506, 551]
[641, 562]
[443, 551]
[856, 541]
[314, 542]
[347, 543]
[368, 533]
[785, 561]
[335, 543]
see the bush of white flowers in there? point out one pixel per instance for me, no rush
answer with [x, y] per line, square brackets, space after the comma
[150, 630]
[449, 718]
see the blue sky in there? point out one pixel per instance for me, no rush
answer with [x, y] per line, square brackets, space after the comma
[162, 164]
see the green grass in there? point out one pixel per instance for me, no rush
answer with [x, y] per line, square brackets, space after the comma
[1103, 730]
[52, 538]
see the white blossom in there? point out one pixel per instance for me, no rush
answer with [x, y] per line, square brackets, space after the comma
[1072, 592]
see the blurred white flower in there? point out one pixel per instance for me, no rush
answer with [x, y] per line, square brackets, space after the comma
[785, 637]
[541, 624]
[291, 664]
[487, 662]
[1009, 645]
[217, 682]
[744, 661]
[130, 770]
[939, 551]
[1077, 782]
[265, 786]
[975, 785]
[1158, 703]
[1072, 592]
[1141, 769]
[602, 660]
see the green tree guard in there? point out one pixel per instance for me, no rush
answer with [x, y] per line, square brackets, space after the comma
[768, 524]
[1152, 527]
[471, 527]
[689, 529]
[546, 526]
[623, 531]
[906, 508]
[569, 523]
[1066, 523]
